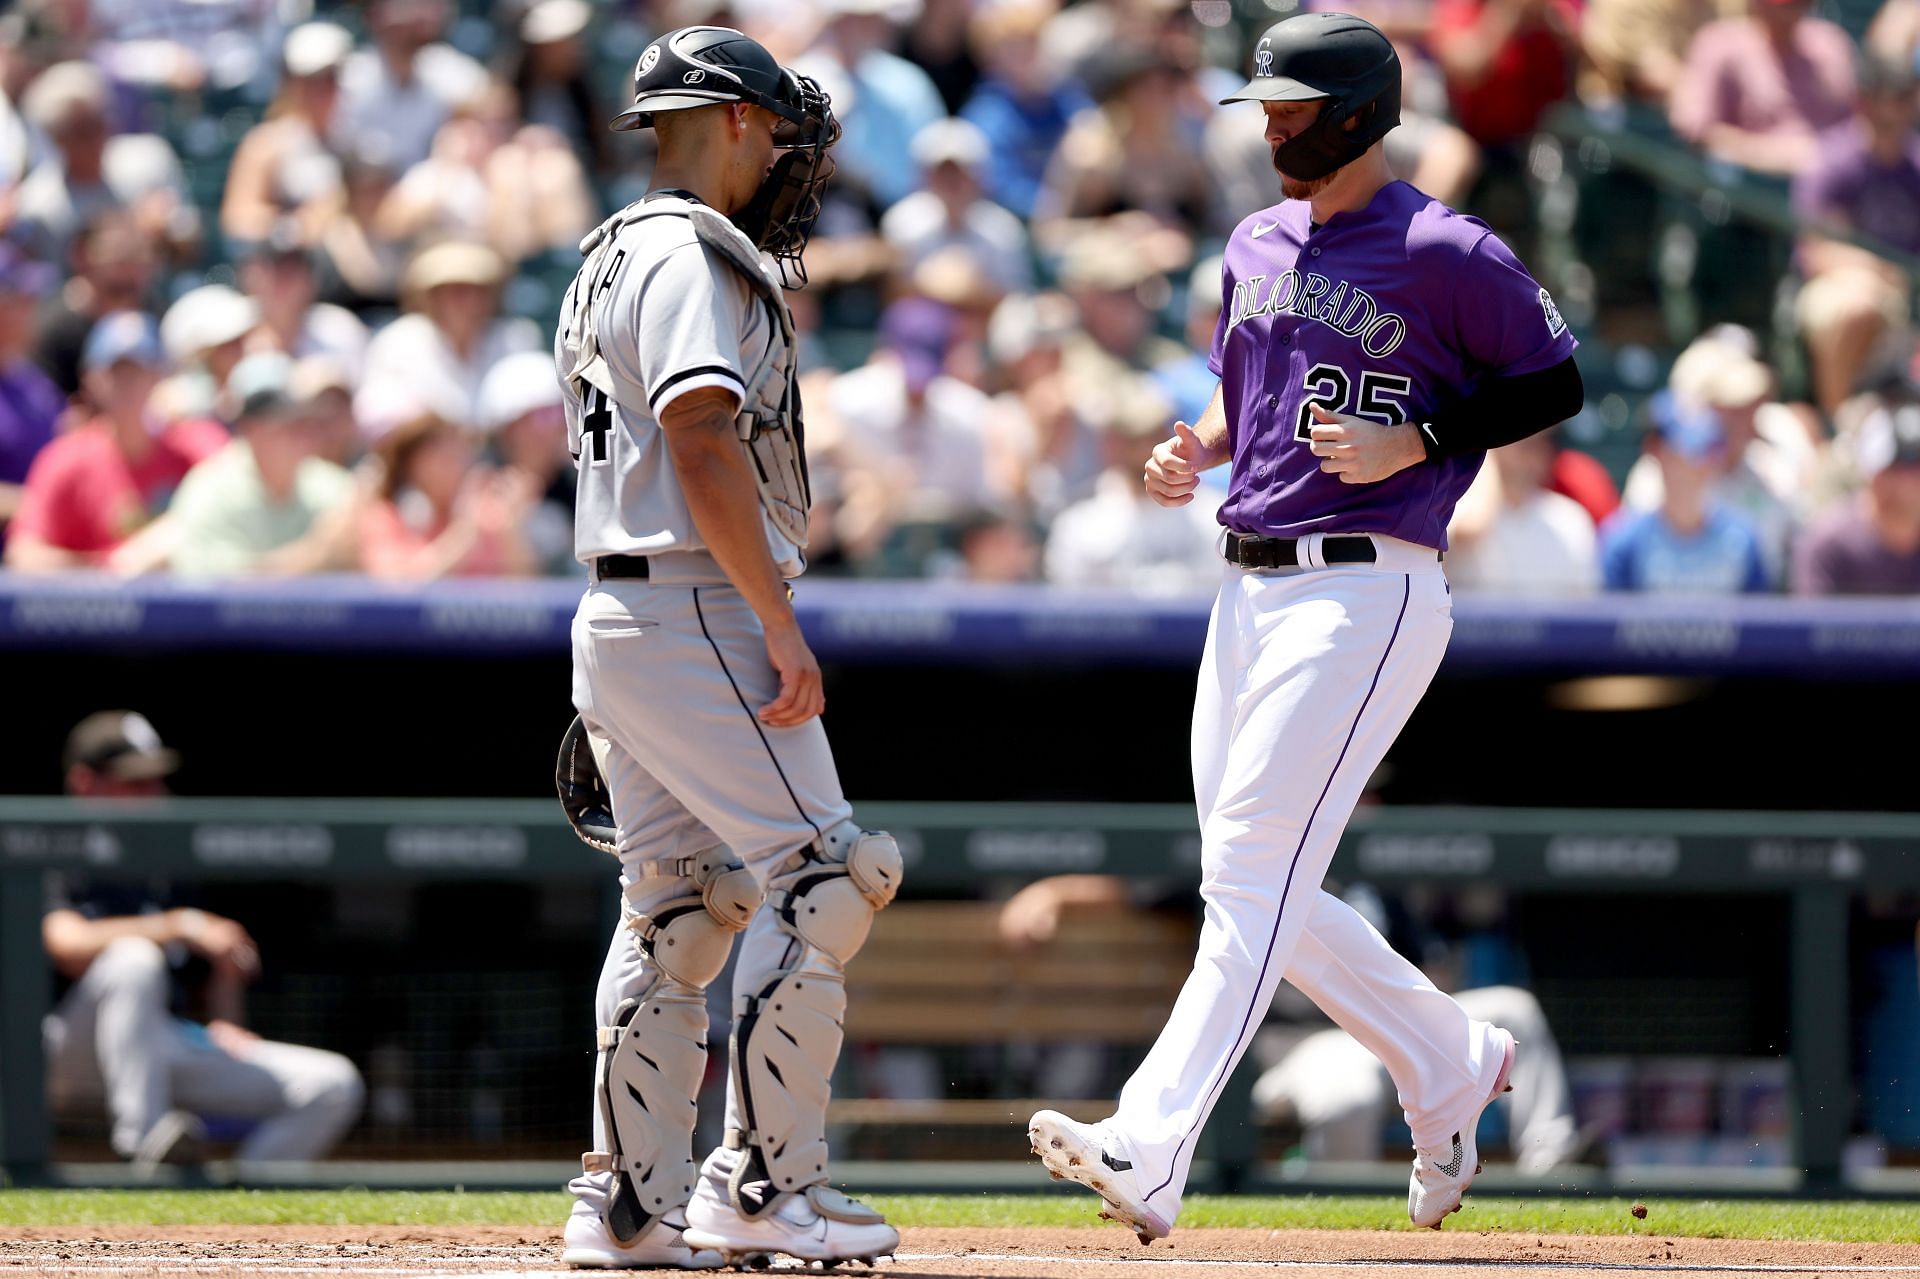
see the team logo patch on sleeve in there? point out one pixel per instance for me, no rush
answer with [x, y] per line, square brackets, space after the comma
[1555, 325]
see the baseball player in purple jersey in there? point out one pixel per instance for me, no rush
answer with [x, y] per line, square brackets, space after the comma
[1372, 346]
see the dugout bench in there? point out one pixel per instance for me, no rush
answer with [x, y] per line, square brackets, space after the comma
[937, 975]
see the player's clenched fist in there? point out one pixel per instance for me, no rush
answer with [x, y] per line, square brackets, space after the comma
[1173, 472]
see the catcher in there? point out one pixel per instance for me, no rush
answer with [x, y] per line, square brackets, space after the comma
[698, 758]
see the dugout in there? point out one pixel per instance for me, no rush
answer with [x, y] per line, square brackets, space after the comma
[1651, 931]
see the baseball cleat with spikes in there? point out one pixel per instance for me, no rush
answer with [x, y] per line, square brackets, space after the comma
[591, 1246]
[1093, 1156]
[1441, 1177]
[818, 1224]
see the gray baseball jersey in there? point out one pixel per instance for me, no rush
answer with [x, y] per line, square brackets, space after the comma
[669, 316]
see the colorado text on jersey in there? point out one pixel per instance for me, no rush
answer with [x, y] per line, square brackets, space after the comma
[1351, 312]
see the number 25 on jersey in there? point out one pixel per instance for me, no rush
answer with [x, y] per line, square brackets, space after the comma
[1382, 396]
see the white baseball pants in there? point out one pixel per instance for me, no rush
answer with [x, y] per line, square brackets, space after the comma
[670, 676]
[1308, 676]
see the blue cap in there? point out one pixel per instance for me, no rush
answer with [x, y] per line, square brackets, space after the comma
[123, 335]
[21, 274]
[1689, 429]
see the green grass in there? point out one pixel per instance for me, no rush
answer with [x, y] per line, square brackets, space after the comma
[1739, 1219]
[285, 1207]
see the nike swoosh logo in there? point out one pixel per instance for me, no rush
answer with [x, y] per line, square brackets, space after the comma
[1262, 230]
[1459, 1157]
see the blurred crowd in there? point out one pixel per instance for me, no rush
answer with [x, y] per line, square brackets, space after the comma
[278, 280]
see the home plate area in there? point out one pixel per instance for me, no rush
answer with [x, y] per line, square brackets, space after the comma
[498, 1252]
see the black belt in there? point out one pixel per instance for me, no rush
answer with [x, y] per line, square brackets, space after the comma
[609, 567]
[1284, 552]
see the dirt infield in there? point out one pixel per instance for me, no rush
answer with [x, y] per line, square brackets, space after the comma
[293, 1252]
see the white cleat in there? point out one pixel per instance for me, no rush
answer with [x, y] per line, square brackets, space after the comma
[816, 1224]
[590, 1246]
[1082, 1152]
[1441, 1177]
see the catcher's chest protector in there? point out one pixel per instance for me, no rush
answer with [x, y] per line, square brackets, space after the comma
[770, 421]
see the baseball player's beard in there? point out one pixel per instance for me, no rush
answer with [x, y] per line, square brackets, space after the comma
[1302, 188]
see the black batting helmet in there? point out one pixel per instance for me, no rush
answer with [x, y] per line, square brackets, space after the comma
[1334, 57]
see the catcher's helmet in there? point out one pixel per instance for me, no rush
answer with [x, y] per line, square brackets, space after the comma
[701, 66]
[1336, 57]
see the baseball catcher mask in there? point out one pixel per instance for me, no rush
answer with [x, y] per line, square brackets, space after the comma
[780, 217]
[703, 66]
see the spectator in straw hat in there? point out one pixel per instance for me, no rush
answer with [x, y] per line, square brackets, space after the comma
[1117, 288]
[436, 356]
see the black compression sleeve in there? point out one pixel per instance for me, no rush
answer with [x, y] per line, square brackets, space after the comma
[1504, 409]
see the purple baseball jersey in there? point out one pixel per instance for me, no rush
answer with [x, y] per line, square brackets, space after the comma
[1394, 312]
